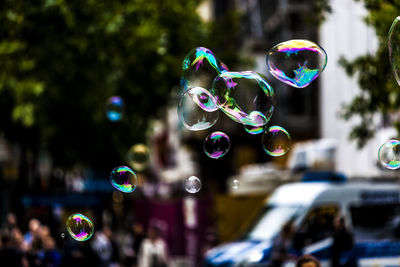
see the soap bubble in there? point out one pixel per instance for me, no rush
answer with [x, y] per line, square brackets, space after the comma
[199, 68]
[62, 235]
[276, 141]
[246, 97]
[138, 157]
[80, 227]
[114, 108]
[394, 48]
[255, 129]
[235, 183]
[296, 62]
[216, 145]
[124, 179]
[192, 184]
[389, 154]
[197, 109]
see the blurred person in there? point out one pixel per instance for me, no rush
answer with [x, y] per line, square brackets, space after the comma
[79, 254]
[33, 228]
[132, 244]
[342, 242]
[105, 247]
[10, 254]
[51, 257]
[11, 223]
[153, 250]
[282, 245]
[307, 261]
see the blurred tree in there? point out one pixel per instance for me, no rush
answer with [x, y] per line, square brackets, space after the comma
[379, 90]
[61, 60]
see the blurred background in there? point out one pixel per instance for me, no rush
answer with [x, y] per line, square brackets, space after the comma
[60, 61]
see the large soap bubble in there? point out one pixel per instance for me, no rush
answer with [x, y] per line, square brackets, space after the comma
[389, 154]
[80, 227]
[296, 62]
[199, 68]
[197, 109]
[394, 48]
[246, 97]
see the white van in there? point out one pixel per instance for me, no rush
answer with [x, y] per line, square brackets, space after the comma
[371, 211]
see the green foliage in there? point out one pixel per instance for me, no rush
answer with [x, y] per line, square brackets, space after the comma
[61, 60]
[379, 90]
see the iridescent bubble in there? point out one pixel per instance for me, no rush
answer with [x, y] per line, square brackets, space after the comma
[197, 109]
[296, 62]
[192, 184]
[235, 184]
[138, 157]
[246, 97]
[114, 108]
[216, 145]
[255, 129]
[389, 154]
[124, 179]
[394, 48]
[276, 141]
[80, 227]
[199, 68]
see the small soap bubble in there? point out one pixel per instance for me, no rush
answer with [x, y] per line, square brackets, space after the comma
[246, 97]
[235, 184]
[114, 108]
[192, 184]
[389, 154]
[79, 227]
[138, 157]
[394, 48]
[197, 109]
[123, 179]
[296, 62]
[199, 68]
[216, 145]
[276, 141]
[62, 235]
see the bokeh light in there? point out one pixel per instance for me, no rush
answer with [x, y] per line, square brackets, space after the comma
[114, 108]
[138, 157]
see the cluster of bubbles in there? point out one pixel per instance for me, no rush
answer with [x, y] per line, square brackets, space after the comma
[389, 152]
[246, 97]
[80, 227]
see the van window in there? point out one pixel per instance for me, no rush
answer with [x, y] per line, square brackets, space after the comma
[376, 221]
[318, 224]
[270, 221]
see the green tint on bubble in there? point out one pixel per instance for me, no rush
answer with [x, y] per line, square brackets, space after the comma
[255, 129]
[296, 62]
[276, 141]
[80, 227]
[216, 145]
[138, 157]
[394, 48]
[197, 109]
[199, 68]
[389, 154]
[192, 184]
[246, 97]
[123, 179]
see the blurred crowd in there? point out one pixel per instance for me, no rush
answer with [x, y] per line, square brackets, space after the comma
[39, 247]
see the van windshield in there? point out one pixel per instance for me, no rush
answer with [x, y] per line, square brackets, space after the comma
[270, 221]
